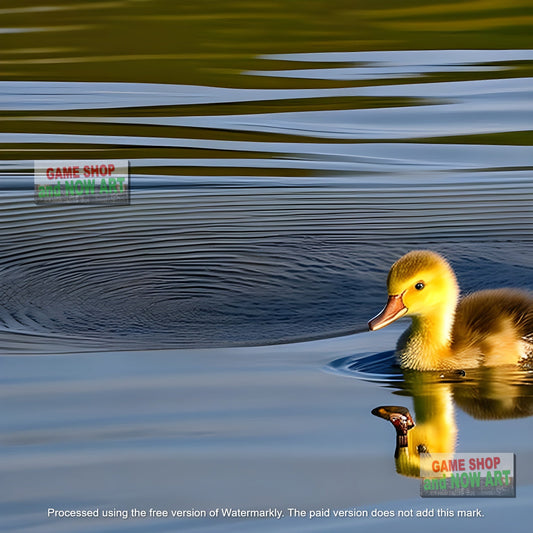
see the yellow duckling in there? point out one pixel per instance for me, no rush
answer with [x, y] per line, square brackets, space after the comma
[490, 327]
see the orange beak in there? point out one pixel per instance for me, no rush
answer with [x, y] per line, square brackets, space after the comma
[392, 311]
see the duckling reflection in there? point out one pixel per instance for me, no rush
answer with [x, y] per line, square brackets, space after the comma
[435, 430]
[488, 393]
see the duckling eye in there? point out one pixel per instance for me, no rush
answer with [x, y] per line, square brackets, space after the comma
[419, 286]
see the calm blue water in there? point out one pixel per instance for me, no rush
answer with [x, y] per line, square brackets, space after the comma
[206, 345]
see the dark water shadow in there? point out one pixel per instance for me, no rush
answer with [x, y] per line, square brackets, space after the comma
[379, 367]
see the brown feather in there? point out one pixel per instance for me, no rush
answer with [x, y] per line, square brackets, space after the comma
[496, 322]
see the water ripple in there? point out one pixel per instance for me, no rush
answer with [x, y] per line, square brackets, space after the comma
[244, 228]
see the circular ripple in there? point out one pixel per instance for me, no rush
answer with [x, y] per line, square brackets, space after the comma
[369, 366]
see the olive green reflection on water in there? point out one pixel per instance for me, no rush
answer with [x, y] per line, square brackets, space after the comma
[212, 42]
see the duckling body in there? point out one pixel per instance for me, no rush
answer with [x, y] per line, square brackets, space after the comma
[490, 327]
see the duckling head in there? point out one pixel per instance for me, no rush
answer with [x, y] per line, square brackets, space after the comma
[421, 284]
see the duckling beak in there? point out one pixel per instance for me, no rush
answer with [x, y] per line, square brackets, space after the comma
[393, 310]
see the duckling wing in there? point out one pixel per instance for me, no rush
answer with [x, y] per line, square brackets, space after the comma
[496, 325]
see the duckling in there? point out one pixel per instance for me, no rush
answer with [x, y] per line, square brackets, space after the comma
[489, 327]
